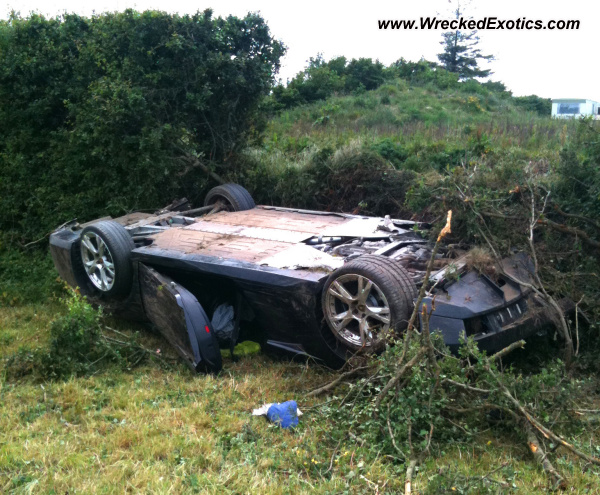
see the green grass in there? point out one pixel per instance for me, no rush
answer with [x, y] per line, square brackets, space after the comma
[412, 114]
[167, 430]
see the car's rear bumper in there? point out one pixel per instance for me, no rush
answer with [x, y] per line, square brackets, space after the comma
[492, 338]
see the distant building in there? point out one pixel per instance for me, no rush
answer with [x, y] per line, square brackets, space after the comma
[569, 108]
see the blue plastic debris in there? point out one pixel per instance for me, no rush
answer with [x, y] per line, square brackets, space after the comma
[284, 414]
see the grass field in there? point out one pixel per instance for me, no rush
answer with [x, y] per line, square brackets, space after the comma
[162, 429]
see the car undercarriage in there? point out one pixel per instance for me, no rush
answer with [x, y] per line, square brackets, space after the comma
[321, 284]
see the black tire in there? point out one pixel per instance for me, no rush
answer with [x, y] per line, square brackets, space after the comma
[234, 196]
[119, 244]
[390, 279]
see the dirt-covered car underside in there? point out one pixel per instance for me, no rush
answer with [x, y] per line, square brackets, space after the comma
[317, 283]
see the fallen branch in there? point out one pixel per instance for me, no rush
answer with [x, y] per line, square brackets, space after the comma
[539, 455]
[35, 242]
[507, 350]
[570, 230]
[331, 385]
[501, 215]
[578, 217]
[389, 426]
[409, 475]
[412, 464]
[547, 433]
[486, 477]
[540, 290]
[195, 162]
[396, 378]
[464, 386]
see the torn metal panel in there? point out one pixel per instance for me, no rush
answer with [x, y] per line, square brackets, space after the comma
[362, 227]
[303, 256]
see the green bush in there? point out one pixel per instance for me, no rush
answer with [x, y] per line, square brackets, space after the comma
[533, 103]
[578, 172]
[96, 113]
[363, 72]
[27, 276]
[391, 151]
[322, 79]
[353, 178]
[77, 346]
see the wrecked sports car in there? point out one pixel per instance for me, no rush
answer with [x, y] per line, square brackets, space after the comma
[308, 282]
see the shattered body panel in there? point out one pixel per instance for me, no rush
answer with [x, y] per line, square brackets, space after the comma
[272, 263]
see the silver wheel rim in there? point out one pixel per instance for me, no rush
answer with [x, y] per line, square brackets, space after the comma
[357, 310]
[97, 261]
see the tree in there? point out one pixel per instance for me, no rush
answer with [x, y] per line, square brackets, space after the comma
[461, 54]
[119, 111]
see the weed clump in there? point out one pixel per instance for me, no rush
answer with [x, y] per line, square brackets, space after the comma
[78, 346]
[481, 260]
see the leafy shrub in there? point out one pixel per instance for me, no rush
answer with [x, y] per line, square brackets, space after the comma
[496, 87]
[363, 72]
[391, 151]
[322, 79]
[421, 416]
[533, 103]
[578, 172]
[77, 346]
[389, 90]
[27, 276]
[95, 113]
[353, 178]
[473, 86]
[424, 72]
[360, 180]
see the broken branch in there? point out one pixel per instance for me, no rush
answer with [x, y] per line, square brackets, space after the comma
[331, 385]
[540, 455]
[570, 230]
[578, 217]
[507, 350]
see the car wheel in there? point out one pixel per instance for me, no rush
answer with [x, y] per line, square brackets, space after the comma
[232, 197]
[366, 300]
[105, 259]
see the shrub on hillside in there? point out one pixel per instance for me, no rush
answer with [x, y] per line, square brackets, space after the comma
[424, 72]
[533, 103]
[322, 79]
[577, 182]
[390, 150]
[354, 178]
[362, 181]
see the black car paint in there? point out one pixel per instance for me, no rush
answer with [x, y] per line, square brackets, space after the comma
[286, 303]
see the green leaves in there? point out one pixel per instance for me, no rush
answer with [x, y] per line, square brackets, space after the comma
[94, 111]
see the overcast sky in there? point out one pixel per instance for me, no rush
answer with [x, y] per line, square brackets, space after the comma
[549, 63]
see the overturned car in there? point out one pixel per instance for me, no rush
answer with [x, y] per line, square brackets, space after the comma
[307, 282]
